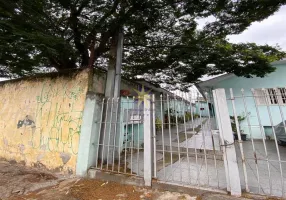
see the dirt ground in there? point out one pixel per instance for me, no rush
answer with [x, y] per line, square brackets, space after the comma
[76, 189]
[18, 182]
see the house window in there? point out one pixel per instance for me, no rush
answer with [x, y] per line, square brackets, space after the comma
[283, 94]
[271, 96]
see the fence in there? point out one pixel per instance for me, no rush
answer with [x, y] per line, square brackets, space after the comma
[189, 141]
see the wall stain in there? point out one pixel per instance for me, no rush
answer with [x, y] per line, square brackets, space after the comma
[26, 122]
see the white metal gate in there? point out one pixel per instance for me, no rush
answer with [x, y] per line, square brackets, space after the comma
[120, 146]
[187, 147]
[189, 140]
[258, 121]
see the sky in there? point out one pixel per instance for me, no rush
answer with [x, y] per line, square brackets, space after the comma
[270, 31]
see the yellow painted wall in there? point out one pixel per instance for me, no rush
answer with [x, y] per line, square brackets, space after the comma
[40, 120]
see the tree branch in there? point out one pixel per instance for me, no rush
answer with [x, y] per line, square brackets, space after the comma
[77, 38]
[83, 4]
[92, 33]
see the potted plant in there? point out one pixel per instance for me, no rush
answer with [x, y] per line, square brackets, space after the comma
[234, 129]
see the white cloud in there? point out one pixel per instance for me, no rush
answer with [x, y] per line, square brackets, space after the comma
[270, 31]
[203, 21]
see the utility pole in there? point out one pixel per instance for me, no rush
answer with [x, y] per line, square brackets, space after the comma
[112, 91]
[119, 53]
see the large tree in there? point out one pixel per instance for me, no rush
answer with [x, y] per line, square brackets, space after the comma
[162, 41]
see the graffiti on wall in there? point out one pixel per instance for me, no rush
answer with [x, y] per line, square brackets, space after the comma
[40, 121]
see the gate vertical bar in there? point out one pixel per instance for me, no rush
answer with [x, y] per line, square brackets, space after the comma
[147, 141]
[193, 129]
[186, 136]
[226, 135]
[176, 106]
[154, 135]
[115, 130]
[170, 135]
[212, 137]
[163, 142]
[99, 130]
[204, 138]
[126, 135]
[132, 134]
[109, 132]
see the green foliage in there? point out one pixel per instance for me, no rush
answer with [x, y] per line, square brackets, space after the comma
[240, 118]
[176, 118]
[160, 37]
[188, 116]
[195, 116]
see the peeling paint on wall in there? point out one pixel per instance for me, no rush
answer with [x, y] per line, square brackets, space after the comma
[40, 120]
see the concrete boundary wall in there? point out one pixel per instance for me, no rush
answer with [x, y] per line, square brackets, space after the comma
[41, 119]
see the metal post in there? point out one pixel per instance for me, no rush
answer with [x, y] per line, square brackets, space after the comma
[227, 141]
[147, 141]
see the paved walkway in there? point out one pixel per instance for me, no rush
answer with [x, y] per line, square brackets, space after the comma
[164, 139]
[172, 134]
[198, 167]
[208, 140]
[257, 170]
[195, 169]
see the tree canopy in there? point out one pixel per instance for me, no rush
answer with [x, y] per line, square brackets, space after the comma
[162, 40]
